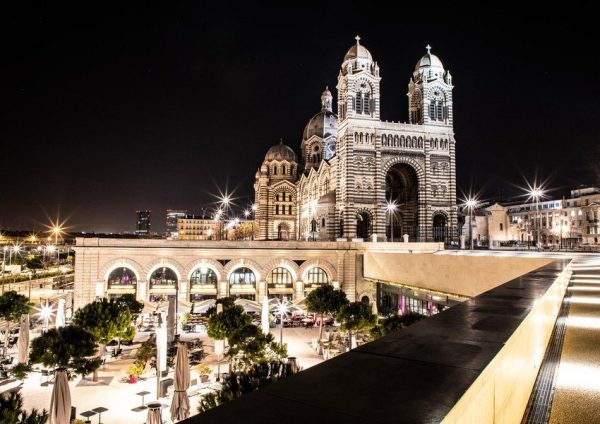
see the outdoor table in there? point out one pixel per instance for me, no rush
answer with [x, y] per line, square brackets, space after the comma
[142, 394]
[87, 415]
[100, 410]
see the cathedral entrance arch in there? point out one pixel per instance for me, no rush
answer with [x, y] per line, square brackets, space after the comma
[402, 191]
[363, 225]
[440, 227]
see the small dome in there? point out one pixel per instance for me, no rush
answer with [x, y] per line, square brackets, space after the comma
[358, 51]
[429, 60]
[326, 99]
[323, 124]
[281, 151]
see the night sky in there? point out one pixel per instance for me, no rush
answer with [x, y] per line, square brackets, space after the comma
[121, 108]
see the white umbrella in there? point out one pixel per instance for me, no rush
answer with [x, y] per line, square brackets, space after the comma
[171, 321]
[24, 339]
[60, 314]
[180, 406]
[374, 308]
[161, 342]
[60, 402]
[264, 321]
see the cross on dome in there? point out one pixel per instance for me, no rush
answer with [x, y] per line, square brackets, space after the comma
[357, 38]
[428, 47]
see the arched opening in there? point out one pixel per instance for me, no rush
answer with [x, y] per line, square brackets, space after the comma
[163, 285]
[283, 231]
[315, 277]
[120, 277]
[440, 227]
[203, 284]
[280, 283]
[121, 281]
[242, 283]
[363, 225]
[402, 191]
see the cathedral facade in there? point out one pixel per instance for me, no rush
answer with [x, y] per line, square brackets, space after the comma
[359, 177]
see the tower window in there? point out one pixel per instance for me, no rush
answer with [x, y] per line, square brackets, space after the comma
[366, 104]
[359, 102]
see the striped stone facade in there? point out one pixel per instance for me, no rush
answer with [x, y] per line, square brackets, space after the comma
[382, 179]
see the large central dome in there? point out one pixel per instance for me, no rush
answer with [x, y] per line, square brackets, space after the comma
[281, 151]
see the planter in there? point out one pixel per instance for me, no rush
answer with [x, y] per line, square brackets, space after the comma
[133, 379]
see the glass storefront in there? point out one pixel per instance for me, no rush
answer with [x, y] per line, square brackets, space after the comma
[401, 300]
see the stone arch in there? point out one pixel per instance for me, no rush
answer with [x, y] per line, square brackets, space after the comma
[291, 266]
[408, 161]
[366, 294]
[215, 266]
[167, 263]
[110, 266]
[367, 227]
[320, 263]
[243, 262]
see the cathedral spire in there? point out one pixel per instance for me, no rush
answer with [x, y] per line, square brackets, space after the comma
[326, 99]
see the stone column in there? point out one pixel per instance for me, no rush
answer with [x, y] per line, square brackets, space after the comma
[262, 290]
[141, 292]
[299, 289]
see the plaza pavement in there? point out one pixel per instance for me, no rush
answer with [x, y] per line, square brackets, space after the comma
[120, 397]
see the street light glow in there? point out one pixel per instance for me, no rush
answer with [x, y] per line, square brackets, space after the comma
[391, 206]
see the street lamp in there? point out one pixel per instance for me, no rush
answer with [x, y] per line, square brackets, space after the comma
[45, 314]
[535, 193]
[471, 203]
[391, 207]
[282, 309]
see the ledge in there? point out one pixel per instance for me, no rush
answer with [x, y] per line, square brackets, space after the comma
[419, 374]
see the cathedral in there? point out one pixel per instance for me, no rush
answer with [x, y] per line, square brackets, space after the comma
[361, 178]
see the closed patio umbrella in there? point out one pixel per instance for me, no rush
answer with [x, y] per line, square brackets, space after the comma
[154, 413]
[60, 314]
[60, 402]
[180, 406]
[264, 319]
[24, 339]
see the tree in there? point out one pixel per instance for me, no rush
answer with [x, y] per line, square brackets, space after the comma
[106, 320]
[11, 412]
[67, 347]
[325, 300]
[238, 383]
[247, 343]
[221, 326]
[227, 302]
[356, 316]
[128, 301]
[245, 230]
[395, 322]
[12, 306]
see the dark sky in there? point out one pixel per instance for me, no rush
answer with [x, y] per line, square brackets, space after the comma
[132, 106]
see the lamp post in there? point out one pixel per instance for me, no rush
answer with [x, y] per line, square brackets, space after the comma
[471, 203]
[46, 313]
[535, 193]
[390, 207]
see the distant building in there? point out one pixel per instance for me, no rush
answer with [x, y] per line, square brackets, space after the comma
[199, 227]
[172, 217]
[572, 222]
[142, 227]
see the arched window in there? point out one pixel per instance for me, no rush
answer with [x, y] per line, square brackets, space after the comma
[323, 222]
[122, 277]
[274, 170]
[203, 276]
[163, 277]
[359, 102]
[366, 104]
[242, 276]
[283, 170]
[317, 275]
[280, 276]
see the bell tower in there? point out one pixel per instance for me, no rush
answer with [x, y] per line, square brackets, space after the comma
[358, 84]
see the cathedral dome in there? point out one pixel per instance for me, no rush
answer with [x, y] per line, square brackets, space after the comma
[323, 124]
[429, 60]
[281, 151]
[358, 51]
